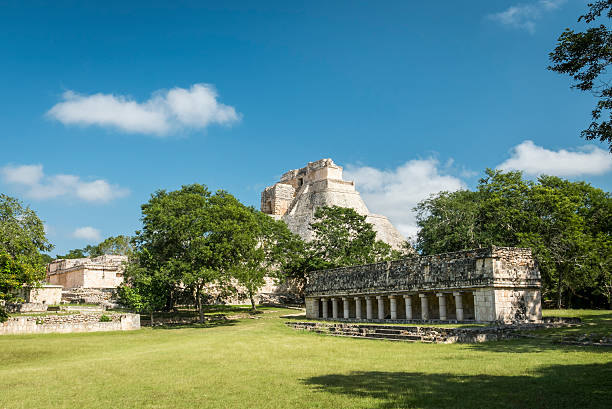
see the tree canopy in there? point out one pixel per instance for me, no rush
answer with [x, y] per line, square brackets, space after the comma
[120, 245]
[191, 238]
[567, 224]
[274, 248]
[342, 237]
[22, 239]
[585, 56]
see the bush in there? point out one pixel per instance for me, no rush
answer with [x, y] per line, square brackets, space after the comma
[3, 314]
[105, 318]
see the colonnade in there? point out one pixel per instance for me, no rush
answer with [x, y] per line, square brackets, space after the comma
[358, 311]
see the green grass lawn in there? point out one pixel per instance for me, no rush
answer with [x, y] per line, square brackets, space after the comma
[261, 363]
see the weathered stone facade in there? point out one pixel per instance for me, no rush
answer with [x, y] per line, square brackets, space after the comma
[100, 272]
[36, 299]
[45, 294]
[69, 323]
[490, 284]
[295, 198]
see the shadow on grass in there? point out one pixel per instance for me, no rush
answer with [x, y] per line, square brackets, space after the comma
[207, 324]
[529, 346]
[559, 386]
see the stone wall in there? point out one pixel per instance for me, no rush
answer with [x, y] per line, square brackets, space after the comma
[101, 296]
[45, 294]
[493, 266]
[69, 323]
[26, 307]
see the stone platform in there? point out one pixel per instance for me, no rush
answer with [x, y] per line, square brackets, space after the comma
[427, 334]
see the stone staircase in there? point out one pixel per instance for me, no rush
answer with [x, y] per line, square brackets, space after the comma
[427, 334]
[384, 332]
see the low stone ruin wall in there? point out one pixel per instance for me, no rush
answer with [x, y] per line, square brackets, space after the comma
[423, 334]
[45, 324]
[26, 307]
[101, 296]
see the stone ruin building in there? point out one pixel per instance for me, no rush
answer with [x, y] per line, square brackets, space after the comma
[100, 272]
[88, 280]
[489, 284]
[295, 198]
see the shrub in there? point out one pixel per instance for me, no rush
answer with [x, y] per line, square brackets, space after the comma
[3, 314]
[105, 318]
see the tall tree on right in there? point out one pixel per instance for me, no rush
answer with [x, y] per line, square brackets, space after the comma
[567, 224]
[584, 56]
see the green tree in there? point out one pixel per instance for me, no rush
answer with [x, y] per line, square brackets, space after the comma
[22, 239]
[342, 237]
[274, 247]
[193, 238]
[142, 290]
[74, 253]
[448, 221]
[119, 245]
[585, 56]
[567, 224]
[601, 257]
[494, 214]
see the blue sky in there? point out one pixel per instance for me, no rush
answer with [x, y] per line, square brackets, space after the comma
[103, 105]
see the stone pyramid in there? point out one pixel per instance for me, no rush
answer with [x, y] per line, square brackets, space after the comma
[295, 198]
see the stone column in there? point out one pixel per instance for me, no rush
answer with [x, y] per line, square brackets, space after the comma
[345, 304]
[334, 308]
[393, 307]
[358, 308]
[442, 306]
[325, 313]
[381, 306]
[408, 301]
[459, 305]
[368, 307]
[315, 308]
[424, 307]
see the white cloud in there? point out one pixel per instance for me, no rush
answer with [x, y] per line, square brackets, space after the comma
[36, 185]
[166, 111]
[524, 16]
[25, 174]
[536, 160]
[87, 233]
[394, 192]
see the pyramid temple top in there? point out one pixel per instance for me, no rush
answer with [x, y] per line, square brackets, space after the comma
[298, 194]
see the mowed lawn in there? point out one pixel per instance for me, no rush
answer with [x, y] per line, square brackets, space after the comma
[261, 363]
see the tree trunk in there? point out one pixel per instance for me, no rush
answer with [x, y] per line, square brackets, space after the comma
[252, 301]
[199, 300]
[559, 290]
[151, 318]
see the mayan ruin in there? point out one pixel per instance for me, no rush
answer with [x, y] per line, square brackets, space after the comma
[105, 271]
[313, 204]
[492, 284]
[295, 198]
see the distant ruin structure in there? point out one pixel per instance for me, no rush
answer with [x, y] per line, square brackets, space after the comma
[295, 198]
[100, 272]
[483, 285]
